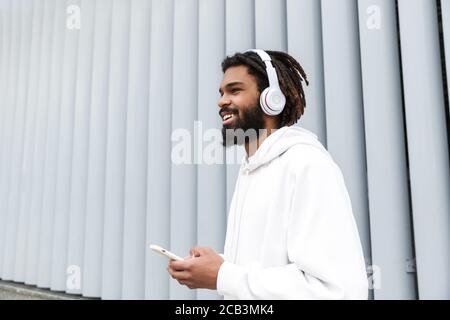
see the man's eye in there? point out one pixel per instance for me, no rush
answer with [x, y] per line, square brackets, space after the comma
[235, 90]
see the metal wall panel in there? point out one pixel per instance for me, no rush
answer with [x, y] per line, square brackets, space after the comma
[159, 146]
[26, 173]
[427, 145]
[12, 22]
[4, 109]
[183, 205]
[40, 141]
[445, 13]
[64, 158]
[390, 223]
[211, 215]
[270, 24]
[12, 224]
[77, 215]
[239, 36]
[344, 105]
[304, 42]
[95, 187]
[134, 247]
[112, 262]
[51, 149]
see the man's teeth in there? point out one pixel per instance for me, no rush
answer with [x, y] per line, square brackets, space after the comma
[226, 117]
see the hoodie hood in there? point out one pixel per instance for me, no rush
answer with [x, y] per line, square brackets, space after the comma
[278, 143]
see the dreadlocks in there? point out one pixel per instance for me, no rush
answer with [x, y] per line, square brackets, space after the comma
[290, 76]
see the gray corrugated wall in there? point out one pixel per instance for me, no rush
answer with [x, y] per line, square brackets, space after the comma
[386, 162]
[89, 117]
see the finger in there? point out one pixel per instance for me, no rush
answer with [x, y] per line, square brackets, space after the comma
[179, 265]
[171, 271]
[177, 274]
[198, 251]
[180, 275]
[188, 284]
[193, 251]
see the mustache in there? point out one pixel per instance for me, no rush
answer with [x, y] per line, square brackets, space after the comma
[227, 110]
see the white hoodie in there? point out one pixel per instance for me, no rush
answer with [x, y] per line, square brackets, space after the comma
[291, 233]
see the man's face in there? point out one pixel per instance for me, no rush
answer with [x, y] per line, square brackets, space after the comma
[239, 105]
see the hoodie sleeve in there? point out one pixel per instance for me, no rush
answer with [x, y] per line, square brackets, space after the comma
[323, 247]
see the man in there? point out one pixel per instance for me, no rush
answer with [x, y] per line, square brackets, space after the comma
[291, 233]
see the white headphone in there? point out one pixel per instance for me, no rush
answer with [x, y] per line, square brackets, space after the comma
[272, 99]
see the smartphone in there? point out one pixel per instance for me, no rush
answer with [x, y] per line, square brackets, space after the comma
[165, 252]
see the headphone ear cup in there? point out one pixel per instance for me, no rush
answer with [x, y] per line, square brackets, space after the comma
[262, 101]
[272, 101]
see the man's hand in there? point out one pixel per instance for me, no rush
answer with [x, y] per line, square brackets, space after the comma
[198, 272]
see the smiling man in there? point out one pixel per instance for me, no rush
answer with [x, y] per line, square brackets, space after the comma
[291, 233]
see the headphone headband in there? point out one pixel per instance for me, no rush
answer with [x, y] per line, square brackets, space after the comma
[271, 72]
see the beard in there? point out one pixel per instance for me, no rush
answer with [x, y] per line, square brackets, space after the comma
[245, 127]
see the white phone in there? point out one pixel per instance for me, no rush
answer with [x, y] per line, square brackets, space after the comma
[165, 252]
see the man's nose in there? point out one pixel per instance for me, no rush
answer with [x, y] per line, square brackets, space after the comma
[223, 101]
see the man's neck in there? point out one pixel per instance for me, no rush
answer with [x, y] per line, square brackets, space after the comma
[253, 145]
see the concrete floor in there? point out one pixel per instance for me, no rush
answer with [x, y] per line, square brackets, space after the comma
[16, 291]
